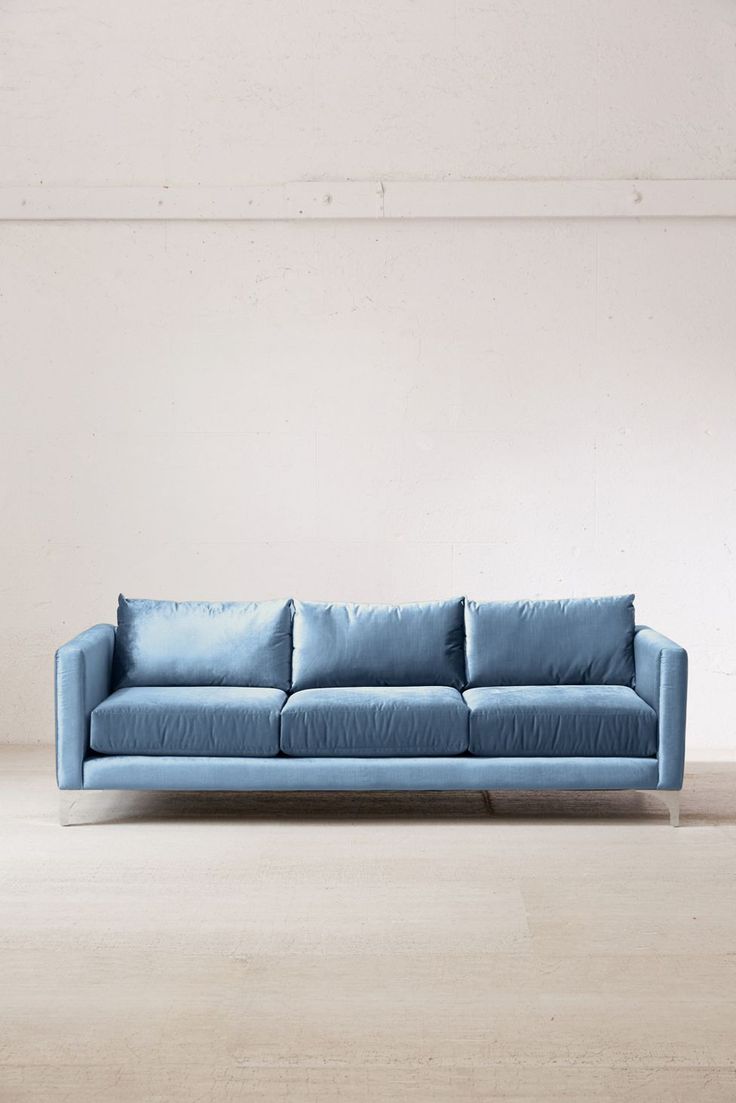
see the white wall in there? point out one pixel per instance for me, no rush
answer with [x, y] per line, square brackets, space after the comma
[367, 410]
[252, 91]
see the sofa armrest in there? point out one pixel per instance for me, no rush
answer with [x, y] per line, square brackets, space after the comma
[83, 668]
[661, 680]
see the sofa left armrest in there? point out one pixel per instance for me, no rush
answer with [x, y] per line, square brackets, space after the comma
[661, 680]
[83, 669]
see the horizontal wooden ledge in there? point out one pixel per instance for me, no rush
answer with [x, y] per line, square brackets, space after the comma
[375, 200]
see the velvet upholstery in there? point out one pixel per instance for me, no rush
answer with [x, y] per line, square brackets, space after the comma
[83, 683]
[564, 721]
[586, 641]
[314, 774]
[378, 645]
[661, 680]
[202, 643]
[188, 720]
[374, 722]
[82, 680]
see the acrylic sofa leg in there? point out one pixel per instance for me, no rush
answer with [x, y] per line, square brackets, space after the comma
[67, 799]
[671, 798]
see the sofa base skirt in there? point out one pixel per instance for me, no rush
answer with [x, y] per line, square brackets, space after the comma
[364, 774]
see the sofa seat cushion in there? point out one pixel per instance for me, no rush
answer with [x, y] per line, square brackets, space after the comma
[374, 722]
[568, 721]
[188, 720]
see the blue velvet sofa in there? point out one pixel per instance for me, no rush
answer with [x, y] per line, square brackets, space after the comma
[283, 695]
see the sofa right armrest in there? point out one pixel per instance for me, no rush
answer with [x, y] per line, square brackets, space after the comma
[83, 669]
[661, 680]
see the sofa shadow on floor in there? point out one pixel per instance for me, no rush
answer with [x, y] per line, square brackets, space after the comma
[708, 799]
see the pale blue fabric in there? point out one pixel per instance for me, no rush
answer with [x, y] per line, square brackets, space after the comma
[188, 720]
[374, 722]
[202, 643]
[310, 774]
[661, 680]
[564, 721]
[83, 669]
[82, 675]
[584, 641]
[378, 645]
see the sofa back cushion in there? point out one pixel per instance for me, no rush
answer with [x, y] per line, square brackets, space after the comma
[202, 643]
[378, 645]
[587, 641]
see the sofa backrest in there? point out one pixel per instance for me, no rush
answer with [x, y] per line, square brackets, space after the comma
[201, 643]
[378, 645]
[588, 641]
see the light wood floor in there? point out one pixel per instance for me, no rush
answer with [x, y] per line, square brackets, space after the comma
[366, 947]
